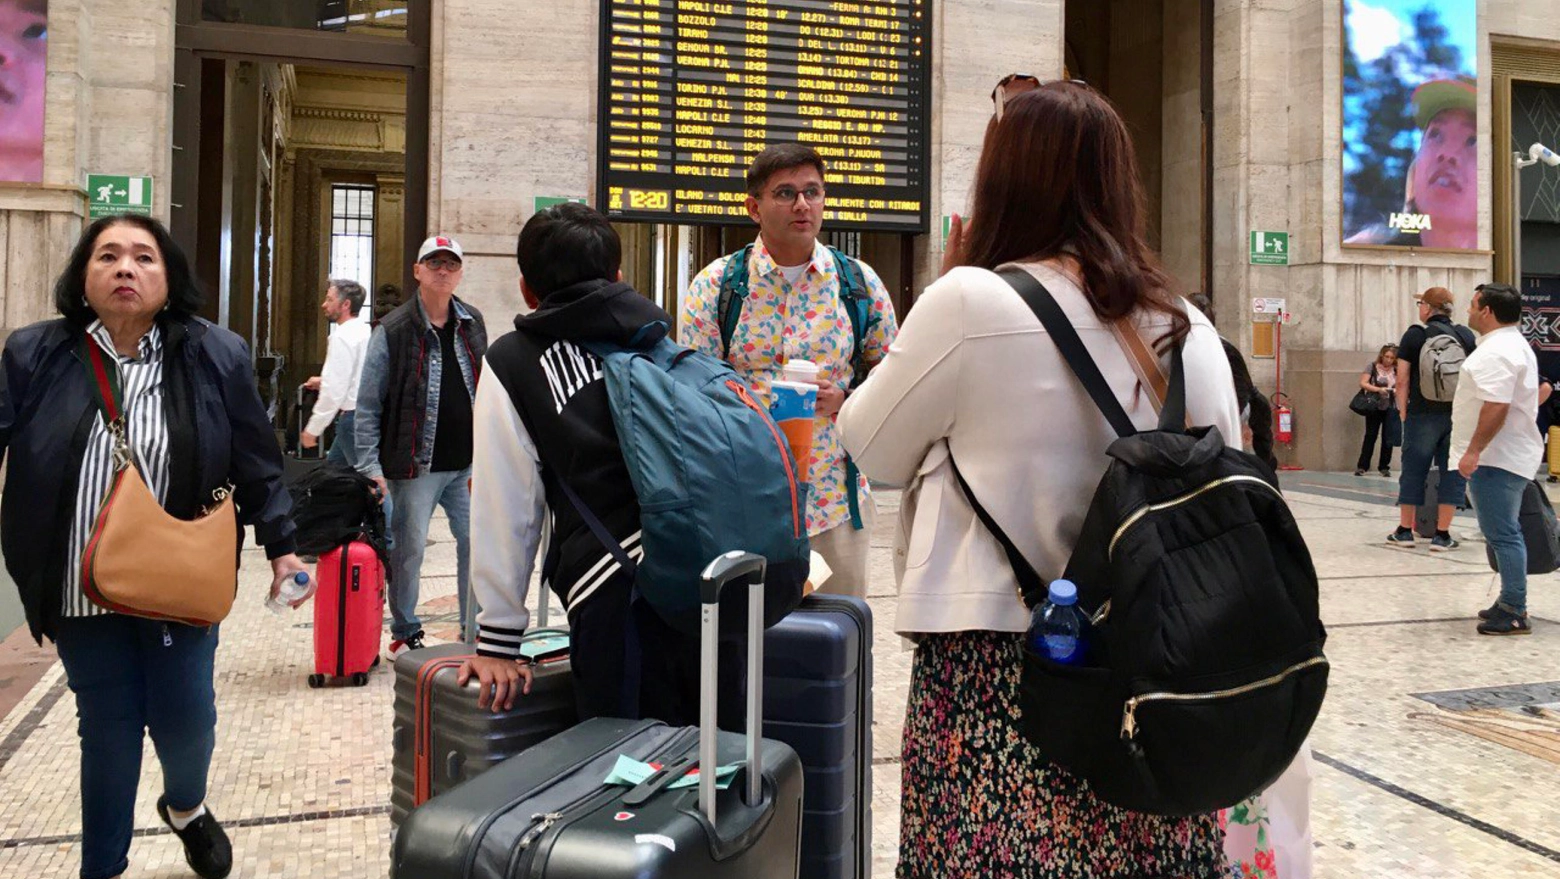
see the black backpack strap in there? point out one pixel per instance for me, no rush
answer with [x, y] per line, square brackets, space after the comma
[1031, 586]
[1044, 305]
[734, 284]
[613, 548]
[1172, 417]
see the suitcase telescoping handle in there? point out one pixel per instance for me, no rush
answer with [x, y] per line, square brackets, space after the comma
[733, 567]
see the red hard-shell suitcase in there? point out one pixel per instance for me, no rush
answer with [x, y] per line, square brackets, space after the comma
[348, 613]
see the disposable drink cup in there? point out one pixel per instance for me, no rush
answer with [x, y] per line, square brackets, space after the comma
[804, 371]
[793, 408]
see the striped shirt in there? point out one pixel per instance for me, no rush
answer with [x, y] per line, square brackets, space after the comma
[141, 392]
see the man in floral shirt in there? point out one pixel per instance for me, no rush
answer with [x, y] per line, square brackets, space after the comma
[794, 309]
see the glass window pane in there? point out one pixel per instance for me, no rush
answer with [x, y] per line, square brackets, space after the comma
[385, 18]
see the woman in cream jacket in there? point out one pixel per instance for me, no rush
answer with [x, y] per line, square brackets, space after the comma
[975, 375]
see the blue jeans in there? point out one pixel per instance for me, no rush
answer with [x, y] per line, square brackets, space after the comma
[1427, 439]
[1497, 501]
[132, 676]
[415, 500]
[342, 450]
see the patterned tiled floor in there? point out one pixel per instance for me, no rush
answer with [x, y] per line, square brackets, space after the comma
[1401, 787]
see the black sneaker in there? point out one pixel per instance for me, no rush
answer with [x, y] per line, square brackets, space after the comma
[1387, 472]
[1443, 543]
[206, 846]
[1359, 473]
[1401, 537]
[1503, 622]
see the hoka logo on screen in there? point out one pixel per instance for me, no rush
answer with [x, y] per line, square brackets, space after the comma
[1409, 222]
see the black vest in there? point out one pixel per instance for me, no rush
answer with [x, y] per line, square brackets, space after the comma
[409, 337]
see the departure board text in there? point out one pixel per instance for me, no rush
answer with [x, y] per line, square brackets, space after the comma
[692, 90]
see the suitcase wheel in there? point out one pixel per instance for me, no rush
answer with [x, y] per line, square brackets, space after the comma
[375, 663]
[359, 679]
[316, 681]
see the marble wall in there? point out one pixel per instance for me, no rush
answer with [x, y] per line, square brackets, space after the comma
[109, 81]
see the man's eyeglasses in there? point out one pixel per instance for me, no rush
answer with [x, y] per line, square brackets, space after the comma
[443, 265]
[787, 195]
[1015, 84]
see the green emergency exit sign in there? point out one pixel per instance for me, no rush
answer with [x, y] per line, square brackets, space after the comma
[1270, 248]
[109, 194]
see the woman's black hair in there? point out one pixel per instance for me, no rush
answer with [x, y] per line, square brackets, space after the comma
[70, 290]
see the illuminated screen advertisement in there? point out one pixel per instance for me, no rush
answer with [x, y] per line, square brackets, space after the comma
[691, 91]
[1410, 123]
[24, 49]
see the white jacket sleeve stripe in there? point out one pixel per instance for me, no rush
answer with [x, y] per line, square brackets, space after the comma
[507, 507]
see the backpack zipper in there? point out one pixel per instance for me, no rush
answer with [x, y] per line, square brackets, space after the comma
[1129, 725]
[785, 452]
[1141, 512]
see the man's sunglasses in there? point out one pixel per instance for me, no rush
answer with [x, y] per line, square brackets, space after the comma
[1015, 84]
[442, 264]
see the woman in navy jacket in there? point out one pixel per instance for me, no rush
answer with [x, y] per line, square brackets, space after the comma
[195, 424]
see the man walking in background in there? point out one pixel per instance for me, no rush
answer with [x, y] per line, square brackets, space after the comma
[1496, 443]
[414, 428]
[1429, 356]
[337, 383]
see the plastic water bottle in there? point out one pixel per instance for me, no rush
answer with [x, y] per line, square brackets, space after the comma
[292, 588]
[1056, 627]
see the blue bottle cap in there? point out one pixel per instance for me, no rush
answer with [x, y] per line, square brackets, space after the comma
[1063, 592]
[301, 578]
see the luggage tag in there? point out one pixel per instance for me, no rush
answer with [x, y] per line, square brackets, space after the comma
[543, 647]
[632, 773]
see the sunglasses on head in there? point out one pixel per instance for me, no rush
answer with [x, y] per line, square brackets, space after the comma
[1015, 84]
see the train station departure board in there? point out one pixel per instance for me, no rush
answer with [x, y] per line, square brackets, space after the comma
[692, 90]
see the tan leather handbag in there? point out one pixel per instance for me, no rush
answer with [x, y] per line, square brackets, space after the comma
[141, 561]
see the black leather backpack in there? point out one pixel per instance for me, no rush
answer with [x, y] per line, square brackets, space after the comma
[1205, 668]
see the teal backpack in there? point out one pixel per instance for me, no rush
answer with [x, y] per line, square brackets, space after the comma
[712, 473]
[854, 295]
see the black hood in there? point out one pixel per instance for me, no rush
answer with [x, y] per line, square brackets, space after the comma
[599, 311]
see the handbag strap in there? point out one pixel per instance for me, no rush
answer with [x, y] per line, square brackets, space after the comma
[1173, 414]
[108, 399]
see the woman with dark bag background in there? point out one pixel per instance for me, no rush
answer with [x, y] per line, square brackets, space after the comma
[1374, 401]
[974, 375]
[130, 397]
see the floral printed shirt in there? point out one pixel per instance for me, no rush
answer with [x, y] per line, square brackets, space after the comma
[806, 322]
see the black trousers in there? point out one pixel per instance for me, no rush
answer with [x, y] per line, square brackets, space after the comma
[668, 664]
[1373, 428]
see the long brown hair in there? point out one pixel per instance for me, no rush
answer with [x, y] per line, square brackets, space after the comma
[1057, 178]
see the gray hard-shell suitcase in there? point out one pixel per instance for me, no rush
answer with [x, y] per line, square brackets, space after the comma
[818, 700]
[547, 813]
[441, 738]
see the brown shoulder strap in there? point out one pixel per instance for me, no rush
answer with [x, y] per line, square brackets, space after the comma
[1143, 361]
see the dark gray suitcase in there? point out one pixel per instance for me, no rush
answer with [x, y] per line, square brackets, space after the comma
[1426, 514]
[818, 700]
[441, 738]
[546, 814]
[1540, 532]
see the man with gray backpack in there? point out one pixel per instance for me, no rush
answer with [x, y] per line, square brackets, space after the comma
[1430, 357]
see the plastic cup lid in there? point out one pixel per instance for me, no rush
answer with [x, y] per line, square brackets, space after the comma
[801, 370]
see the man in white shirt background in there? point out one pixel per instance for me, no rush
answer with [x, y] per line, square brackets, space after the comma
[1496, 443]
[337, 383]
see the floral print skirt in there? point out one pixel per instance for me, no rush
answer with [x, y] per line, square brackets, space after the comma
[979, 803]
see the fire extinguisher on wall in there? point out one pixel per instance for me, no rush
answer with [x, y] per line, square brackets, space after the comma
[1283, 419]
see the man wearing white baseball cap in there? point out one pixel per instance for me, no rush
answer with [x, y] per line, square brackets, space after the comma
[414, 428]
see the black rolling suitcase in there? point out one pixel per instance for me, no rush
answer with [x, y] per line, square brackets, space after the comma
[818, 700]
[548, 814]
[442, 738]
[1540, 532]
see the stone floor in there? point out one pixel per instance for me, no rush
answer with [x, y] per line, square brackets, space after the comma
[1437, 754]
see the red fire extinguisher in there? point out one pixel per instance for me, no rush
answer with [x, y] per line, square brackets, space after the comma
[1283, 419]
